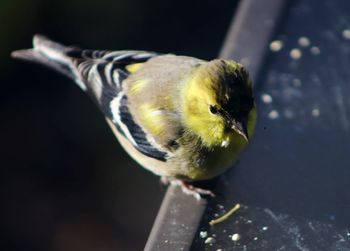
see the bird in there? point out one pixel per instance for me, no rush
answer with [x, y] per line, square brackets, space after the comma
[182, 118]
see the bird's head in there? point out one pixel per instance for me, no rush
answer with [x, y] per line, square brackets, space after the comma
[218, 102]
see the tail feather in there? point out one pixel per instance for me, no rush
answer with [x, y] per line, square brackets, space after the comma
[48, 53]
[51, 49]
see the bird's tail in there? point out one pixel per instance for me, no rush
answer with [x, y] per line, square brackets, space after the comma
[48, 53]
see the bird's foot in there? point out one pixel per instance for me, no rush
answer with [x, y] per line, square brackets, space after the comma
[188, 188]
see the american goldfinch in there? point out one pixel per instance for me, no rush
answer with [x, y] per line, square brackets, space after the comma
[180, 117]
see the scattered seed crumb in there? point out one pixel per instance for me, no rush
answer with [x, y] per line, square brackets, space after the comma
[295, 54]
[273, 114]
[255, 238]
[250, 221]
[315, 112]
[346, 34]
[236, 237]
[203, 234]
[266, 98]
[225, 216]
[289, 114]
[264, 228]
[276, 45]
[348, 234]
[315, 50]
[219, 249]
[210, 240]
[304, 41]
[296, 82]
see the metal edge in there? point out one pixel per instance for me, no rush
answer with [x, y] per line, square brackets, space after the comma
[176, 222]
[251, 30]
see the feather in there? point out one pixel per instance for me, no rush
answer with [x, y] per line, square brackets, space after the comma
[101, 74]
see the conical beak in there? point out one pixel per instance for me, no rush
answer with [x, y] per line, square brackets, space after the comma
[240, 127]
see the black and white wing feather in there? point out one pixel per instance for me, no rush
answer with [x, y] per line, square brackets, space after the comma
[101, 75]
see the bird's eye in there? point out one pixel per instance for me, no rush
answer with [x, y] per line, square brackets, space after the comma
[213, 109]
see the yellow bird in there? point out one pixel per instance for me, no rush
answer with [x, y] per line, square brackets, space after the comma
[180, 117]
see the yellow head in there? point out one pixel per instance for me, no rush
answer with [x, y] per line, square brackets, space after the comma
[218, 102]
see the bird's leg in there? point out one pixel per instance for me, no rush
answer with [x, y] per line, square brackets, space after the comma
[187, 188]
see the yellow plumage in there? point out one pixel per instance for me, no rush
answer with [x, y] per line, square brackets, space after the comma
[179, 117]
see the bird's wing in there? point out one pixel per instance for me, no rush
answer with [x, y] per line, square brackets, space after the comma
[103, 72]
[101, 75]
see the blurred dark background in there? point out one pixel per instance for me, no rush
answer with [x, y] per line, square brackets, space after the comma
[66, 184]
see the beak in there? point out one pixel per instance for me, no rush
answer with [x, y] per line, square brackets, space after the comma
[240, 127]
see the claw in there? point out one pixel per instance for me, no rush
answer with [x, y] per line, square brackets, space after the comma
[187, 188]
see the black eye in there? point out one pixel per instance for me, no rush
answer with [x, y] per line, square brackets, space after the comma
[213, 109]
